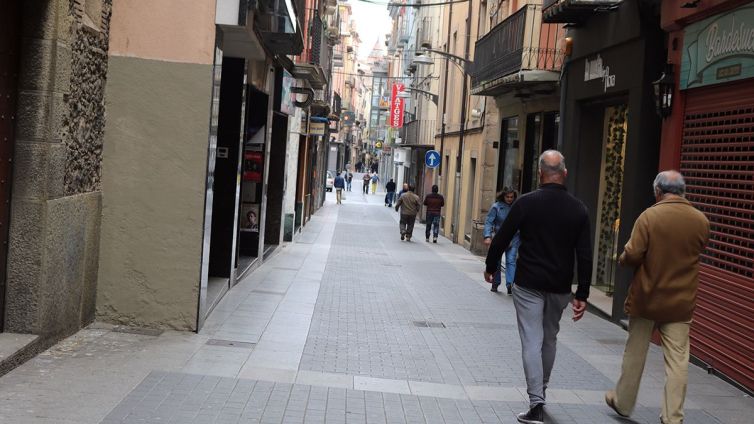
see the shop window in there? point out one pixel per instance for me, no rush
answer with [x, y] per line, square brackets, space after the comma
[615, 133]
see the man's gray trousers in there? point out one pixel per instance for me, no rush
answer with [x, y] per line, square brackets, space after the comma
[538, 314]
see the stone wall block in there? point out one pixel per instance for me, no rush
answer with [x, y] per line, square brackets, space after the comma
[33, 116]
[40, 18]
[36, 64]
[63, 287]
[62, 68]
[56, 171]
[59, 114]
[93, 219]
[25, 266]
[30, 178]
[66, 19]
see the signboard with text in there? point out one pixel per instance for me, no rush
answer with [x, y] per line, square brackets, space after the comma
[719, 49]
[396, 106]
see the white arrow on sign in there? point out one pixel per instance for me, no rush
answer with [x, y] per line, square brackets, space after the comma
[432, 159]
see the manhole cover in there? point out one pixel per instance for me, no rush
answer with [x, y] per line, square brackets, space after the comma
[230, 343]
[137, 330]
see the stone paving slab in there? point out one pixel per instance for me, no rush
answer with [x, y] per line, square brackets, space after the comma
[189, 398]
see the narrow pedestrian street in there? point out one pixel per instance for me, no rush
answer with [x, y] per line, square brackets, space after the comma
[346, 325]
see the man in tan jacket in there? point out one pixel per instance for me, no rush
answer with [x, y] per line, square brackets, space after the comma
[664, 250]
[410, 204]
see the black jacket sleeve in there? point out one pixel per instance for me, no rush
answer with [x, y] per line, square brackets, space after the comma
[584, 261]
[503, 238]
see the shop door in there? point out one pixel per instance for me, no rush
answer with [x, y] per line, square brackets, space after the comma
[9, 59]
[717, 159]
[615, 133]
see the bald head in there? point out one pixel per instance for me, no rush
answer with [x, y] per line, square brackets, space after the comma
[669, 182]
[552, 167]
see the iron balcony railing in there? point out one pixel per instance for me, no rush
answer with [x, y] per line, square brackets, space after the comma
[519, 43]
[316, 51]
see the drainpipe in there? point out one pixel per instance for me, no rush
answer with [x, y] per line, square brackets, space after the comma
[445, 97]
[457, 195]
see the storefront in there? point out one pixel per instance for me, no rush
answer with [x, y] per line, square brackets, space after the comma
[611, 133]
[709, 136]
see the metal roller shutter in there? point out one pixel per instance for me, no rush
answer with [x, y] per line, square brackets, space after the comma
[717, 159]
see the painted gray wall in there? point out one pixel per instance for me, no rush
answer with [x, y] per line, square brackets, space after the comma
[153, 176]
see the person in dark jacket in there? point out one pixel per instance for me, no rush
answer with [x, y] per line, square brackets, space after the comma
[339, 184]
[555, 234]
[390, 196]
[434, 202]
[495, 218]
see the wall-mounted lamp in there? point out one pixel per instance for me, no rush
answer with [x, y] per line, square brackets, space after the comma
[664, 88]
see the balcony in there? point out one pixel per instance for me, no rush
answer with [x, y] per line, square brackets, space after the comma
[419, 132]
[313, 64]
[519, 53]
[278, 26]
[574, 11]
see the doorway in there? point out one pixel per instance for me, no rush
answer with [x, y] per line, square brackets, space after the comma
[252, 178]
[10, 37]
[508, 174]
[614, 135]
[541, 135]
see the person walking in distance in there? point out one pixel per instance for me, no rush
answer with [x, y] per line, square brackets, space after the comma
[365, 182]
[349, 179]
[375, 180]
[409, 205]
[664, 250]
[555, 232]
[434, 202]
[404, 189]
[390, 196]
[339, 184]
[495, 218]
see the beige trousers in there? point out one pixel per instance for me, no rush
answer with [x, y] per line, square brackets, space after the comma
[675, 349]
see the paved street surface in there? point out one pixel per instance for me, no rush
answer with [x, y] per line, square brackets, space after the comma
[347, 325]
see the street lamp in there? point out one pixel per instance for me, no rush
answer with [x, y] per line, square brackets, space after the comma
[466, 66]
[663, 89]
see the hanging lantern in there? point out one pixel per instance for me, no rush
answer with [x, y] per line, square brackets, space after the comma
[664, 88]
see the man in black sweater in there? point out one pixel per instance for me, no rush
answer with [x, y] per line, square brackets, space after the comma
[554, 229]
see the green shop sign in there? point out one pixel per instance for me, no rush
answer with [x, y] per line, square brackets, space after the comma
[719, 49]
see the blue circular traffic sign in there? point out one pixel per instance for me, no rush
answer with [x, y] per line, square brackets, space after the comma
[432, 158]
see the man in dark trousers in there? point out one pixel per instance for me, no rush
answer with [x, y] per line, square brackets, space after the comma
[555, 232]
[339, 184]
[410, 204]
[390, 196]
[664, 250]
[434, 203]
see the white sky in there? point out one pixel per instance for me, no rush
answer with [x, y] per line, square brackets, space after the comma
[372, 23]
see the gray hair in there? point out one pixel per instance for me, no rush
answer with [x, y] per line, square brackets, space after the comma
[670, 182]
[549, 169]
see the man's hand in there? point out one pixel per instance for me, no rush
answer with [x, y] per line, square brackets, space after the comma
[579, 307]
[488, 277]
[487, 241]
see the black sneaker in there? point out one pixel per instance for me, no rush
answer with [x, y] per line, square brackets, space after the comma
[427, 239]
[535, 415]
[494, 287]
[510, 290]
[434, 240]
[403, 236]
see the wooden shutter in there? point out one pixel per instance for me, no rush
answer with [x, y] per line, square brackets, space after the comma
[717, 159]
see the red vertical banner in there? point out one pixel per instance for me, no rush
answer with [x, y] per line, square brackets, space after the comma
[396, 106]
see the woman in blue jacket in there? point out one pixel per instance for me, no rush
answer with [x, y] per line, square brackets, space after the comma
[495, 218]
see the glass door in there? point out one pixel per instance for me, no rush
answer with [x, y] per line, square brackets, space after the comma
[615, 131]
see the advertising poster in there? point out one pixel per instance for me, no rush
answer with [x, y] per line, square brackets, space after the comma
[252, 166]
[396, 106]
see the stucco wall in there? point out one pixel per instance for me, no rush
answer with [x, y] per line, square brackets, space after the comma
[169, 30]
[153, 177]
